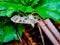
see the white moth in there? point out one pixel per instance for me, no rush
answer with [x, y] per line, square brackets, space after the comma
[25, 20]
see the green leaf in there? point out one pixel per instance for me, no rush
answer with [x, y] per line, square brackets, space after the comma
[50, 9]
[20, 29]
[10, 8]
[34, 3]
[7, 31]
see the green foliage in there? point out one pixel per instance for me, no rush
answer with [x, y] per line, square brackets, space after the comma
[7, 31]
[7, 7]
[45, 8]
[49, 9]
